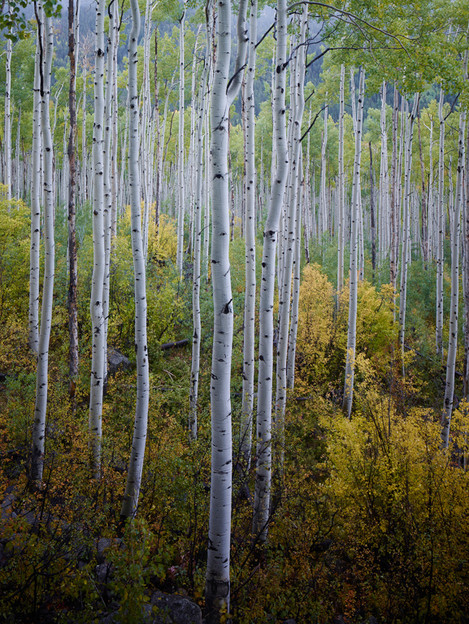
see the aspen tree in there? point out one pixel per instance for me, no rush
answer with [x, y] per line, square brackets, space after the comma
[383, 202]
[405, 250]
[197, 327]
[108, 206]
[266, 305]
[372, 214]
[440, 232]
[341, 190]
[39, 424]
[72, 241]
[466, 271]
[296, 280]
[323, 207]
[250, 248]
[395, 197]
[181, 176]
[453, 321]
[353, 279]
[96, 303]
[292, 230]
[35, 204]
[134, 475]
[7, 125]
[217, 585]
[18, 186]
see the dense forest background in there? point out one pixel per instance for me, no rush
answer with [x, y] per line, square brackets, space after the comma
[234, 312]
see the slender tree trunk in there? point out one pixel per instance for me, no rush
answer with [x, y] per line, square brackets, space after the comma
[353, 281]
[406, 251]
[453, 322]
[72, 241]
[372, 215]
[266, 306]
[395, 173]
[35, 204]
[341, 190]
[297, 96]
[424, 201]
[181, 176]
[440, 233]
[466, 271]
[217, 585]
[96, 304]
[7, 127]
[39, 425]
[134, 475]
[196, 279]
[250, 251]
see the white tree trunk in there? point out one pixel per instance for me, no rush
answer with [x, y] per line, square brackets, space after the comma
[39, 425]
[292, 231]
[406, 240]
[217, 586]
[35, 207]
[440, 232]
[353, 281]
[250, 251]
[196, 279]
[181, 176]
[453, 321]
[134, 475]
[341, 190]
[7, 127]
[96, 303]
[266, 306]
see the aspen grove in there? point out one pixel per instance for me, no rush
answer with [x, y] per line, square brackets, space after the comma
[234, 311]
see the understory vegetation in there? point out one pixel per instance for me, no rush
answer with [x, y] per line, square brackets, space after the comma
[369, 515]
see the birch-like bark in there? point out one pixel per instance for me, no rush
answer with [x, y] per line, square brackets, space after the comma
[35, 205]
[266, 305]
[424, 201]
[134, 475]
[372, 214]
[341, 190]
[440, 232]
[395, 201]
[466, 272]
[197, 326]
[181, 177]
[323, 207]
[39, 424]
[296, 281]
[19, 186]
[109, 208]
[453, 321]
[297, 96]
[96, 303]
[406, 222]
[353, 279]
[72, 241]
[7, 126]
[384, 235]
[250, 251]
[217, 584]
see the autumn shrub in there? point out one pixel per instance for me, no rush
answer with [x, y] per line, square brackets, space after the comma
[322, 333]
[399, 536]
[14, 258]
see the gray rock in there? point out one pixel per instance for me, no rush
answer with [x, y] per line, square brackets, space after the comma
[103, 572]
[173, 609]
[117, 361]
